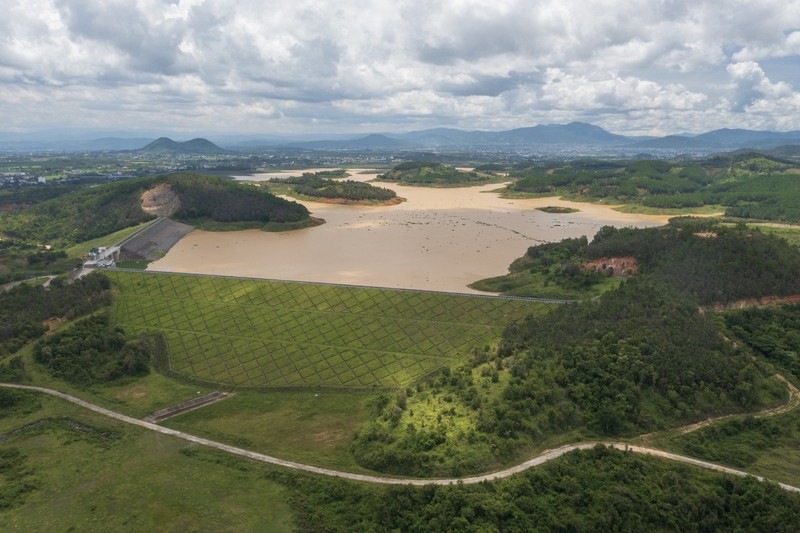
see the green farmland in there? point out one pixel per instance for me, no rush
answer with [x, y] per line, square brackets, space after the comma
[232, 332]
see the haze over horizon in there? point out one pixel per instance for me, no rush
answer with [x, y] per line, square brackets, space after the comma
[218, 66]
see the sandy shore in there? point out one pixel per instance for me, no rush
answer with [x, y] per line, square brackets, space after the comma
[439, 239]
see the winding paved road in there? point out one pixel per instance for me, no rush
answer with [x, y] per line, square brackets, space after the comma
[545, 457]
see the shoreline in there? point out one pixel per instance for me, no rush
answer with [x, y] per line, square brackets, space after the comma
[440, 239]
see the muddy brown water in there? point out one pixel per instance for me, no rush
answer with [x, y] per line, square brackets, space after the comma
[439, 239]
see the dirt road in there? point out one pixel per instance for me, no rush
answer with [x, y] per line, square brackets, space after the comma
[545, 457]
[794, 401]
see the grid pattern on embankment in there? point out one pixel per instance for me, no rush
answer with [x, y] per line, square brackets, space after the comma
[256, 333]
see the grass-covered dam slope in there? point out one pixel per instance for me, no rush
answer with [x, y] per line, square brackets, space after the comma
[254, 333]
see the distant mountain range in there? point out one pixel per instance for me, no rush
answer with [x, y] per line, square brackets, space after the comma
[370, 142]
[545, 138]
[545, 134]
[550, 136]
[576, 133]
[725, 139]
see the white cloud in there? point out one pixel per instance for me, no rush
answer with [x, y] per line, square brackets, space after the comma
[359, 62]
[752, 86]
[563, 90]
[788, 46]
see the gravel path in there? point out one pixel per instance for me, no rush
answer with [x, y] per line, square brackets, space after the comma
[545, 457]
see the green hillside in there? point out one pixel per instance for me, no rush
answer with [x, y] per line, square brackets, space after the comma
[165, 145]
[703, 259]
[743, 185]
[641, 358]
[96, 211]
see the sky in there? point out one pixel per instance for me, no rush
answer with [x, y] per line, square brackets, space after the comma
[278, 67]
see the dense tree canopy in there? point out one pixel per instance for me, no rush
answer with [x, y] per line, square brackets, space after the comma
[747, 185]
[96, 211]
[640, 359]
[593, 490]
[228, 201]
[92, 350]
[319, 187]
[704, 260]
[24, 309]
[772, 332]
[643, 357]
[425, 173]
[707, 261]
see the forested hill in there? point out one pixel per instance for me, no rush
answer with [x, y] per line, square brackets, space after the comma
[703, 260]
[166, 145]
[745, 185]
[706, 261]
[642, 357]
[93, 212]
[228, 201]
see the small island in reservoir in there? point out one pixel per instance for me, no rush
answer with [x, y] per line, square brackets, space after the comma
[317, 187]
[431, 174]
[558, 209]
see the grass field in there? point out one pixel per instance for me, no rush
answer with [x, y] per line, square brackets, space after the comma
[313, 428]
[109, 240]
[791, 234]
[78, 471]
[540, 285]
[687, 211]
[84, 472]
[309, 426]
[252, 333]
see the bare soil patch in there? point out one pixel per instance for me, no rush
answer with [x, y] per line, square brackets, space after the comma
[130, 394]
[53, 324]
[617, 266]
[329, 436]
[765, 301]
[161, 201]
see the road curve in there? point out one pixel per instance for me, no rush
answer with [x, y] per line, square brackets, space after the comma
[544, 457]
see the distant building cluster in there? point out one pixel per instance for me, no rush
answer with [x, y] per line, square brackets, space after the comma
[10, 179]
[101, 257]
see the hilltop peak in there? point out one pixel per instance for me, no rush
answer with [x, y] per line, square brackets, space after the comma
[194, 146]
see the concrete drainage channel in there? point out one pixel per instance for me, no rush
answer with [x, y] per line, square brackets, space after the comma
[188, 405]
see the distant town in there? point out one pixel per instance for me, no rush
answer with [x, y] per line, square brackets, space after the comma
[37, 163]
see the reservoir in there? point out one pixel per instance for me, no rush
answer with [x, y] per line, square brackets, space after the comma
[439, 239]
